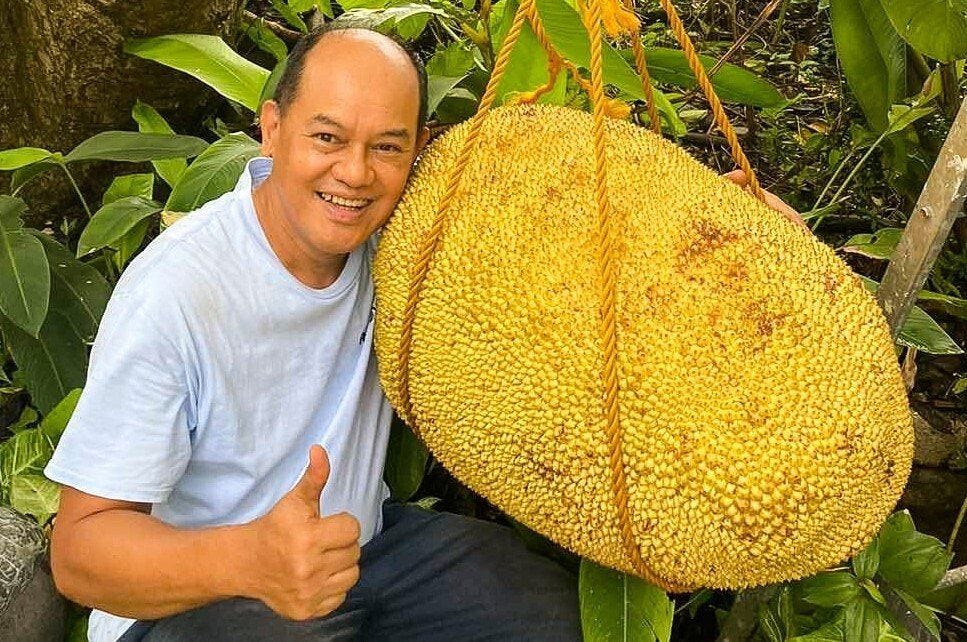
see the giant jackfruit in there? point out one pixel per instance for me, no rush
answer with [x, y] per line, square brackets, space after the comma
[765, 427]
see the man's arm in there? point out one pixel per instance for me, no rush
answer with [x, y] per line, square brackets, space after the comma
[116, 557]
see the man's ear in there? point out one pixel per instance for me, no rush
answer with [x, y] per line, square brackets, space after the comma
[421, 139]
[269, 124]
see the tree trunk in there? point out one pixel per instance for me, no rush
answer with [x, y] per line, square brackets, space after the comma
[66, 77]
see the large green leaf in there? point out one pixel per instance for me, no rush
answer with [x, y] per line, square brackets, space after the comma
[78, 290]
[406, 458]
[910, 561]
[616, 607]
[830, 632]
[879, 245]
[872, 56]
[927, 618]
[11, 159]
[51, 365]
[208, 59]
[919, 330]
[732, 83]
[867, 561]
[122, 186]
[35, 495]
[213, 173]
[24, 275]
[937, 28]
[26, 453]
[56, 420]
[266, 40]
[113, 221]
[446, 68]
[150, 122]
[28, 173]
[834, 588]
[527, 67]
[136, 147]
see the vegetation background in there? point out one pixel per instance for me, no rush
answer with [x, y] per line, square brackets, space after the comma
[842, 106]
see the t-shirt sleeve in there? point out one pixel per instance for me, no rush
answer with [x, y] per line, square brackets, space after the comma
[128, 438]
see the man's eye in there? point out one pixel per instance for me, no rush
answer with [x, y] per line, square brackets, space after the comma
[325, 137]
[389, 147]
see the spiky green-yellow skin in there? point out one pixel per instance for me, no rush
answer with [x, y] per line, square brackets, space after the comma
[766, 432]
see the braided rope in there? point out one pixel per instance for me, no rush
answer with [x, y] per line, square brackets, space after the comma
[641, 67]
[721, 118]
[432, 240]
[591, 15]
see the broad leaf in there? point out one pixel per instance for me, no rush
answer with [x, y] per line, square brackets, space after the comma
[446, 69]
[35, 495]
[834, 588]
[406, 458]
[833, 631]
[53, 364]
[622, 608]
[266, 40]
[919, 330]
[872, 56]
[927, 618]
[24, 275]
[56, 420]
[26, 453]
[213, 173]
[937, 28]
[150, 122]
[136, 147]
[28, 173]
[902, 116]
[910, 561]
[129, 185]
[879, 245]
[950, 304]
[12, 210]
[208, 59]
[289, 15]
[110, 223]
[867, 561]
[11, 159]
[78, 290]
[268, 90]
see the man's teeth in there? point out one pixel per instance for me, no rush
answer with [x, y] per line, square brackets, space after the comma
[343, 202]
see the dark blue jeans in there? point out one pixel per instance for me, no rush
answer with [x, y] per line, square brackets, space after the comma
[427, 576]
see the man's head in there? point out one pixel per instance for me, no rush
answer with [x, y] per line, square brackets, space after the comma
[343, 133]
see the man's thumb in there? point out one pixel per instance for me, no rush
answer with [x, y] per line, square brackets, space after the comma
[314, 479]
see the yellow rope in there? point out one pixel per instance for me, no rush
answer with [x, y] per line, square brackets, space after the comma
[591, 14]
[641, 67]
[721, 118]
[432, 241]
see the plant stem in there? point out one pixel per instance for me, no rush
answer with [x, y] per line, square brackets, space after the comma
[949, 86]
[70, 177]
[832, 179]
[857, 167]
[957, 522]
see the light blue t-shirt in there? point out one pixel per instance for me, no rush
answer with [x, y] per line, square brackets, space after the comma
[214, 370]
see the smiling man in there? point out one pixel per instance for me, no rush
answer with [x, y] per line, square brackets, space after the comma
[235, 346]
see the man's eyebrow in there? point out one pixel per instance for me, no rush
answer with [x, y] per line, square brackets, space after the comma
[322, 119]
[403, 133]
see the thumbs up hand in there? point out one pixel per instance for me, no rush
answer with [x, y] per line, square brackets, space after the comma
[304, 563]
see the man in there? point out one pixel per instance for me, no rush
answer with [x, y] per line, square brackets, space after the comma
[239, 341]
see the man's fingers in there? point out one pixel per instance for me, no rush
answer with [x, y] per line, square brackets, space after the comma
[338, 559]
[338, 531]
[329, 605]
[343, 580]
[309, 488]
[739, 177]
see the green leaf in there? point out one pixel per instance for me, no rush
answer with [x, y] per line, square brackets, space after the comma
[129, 185]
[769, 624]
[406, 19]
[110, 223]
[872, 56]
[266, 40]
[24, 274]
[78, 290]
[51, 365]
[834, 588]
[56, 420]
[406, 458]
[268, 91]
[136, 147]
[919, 330]
[902, 116]
[213, 173]
[879, 245]
[527, 66]
[834, 631]
[910, 561]
[35, 495]
[128, 245]
[927, 617]
[26, 453]
[456, 59]
[289, 15]
[936, 28]
[622, 608]
[28, 173]
[862, 622]
[11, 159]
[12, 210]
[208, 59]
[27, 418]
[150, 122]
[867, 561]
[951, 305]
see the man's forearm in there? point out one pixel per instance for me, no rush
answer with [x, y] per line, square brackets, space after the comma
[147, 569]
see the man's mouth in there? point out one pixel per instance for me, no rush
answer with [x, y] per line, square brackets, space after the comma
[352, 204]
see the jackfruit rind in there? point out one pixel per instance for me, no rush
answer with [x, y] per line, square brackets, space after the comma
[766, 432]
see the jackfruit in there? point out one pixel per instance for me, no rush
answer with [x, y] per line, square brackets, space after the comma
[764, 424]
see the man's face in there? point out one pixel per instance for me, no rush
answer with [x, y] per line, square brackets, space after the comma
[343, 148]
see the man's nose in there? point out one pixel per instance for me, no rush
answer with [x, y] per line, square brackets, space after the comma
[353, 168]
